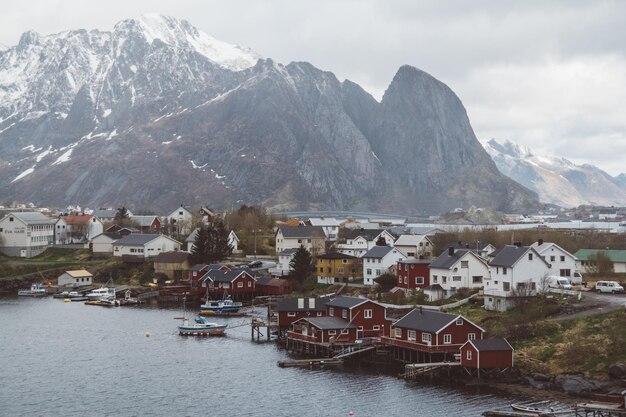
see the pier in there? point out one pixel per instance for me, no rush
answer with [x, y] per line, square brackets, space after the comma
[414, 370]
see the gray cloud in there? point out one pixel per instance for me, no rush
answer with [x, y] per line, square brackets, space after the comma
[549, 75]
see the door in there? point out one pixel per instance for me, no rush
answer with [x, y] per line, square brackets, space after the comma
[305, 330]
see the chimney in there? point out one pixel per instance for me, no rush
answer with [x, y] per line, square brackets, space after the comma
[420, 309]
[539, 242]
[450, 251]
[460, 244]
[518, 244]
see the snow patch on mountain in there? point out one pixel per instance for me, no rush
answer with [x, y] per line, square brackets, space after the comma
[555, 180]
[63, 158]
[25, 173]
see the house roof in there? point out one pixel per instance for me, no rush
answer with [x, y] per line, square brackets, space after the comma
[110, 235]
[288, 252]
[78, 273]
[344, 301]
[447, 261]
[415, 261]
[368, 234]
[271, 282]
[336, 255]
[30, 217]
[144, 221]
[510, 254]
[174, 212]
[613, 254]
[434, 287]
[198, 267]
[217, 275]
[192, 235]
[425, 320]
[105, 213]
[409, 240]
[544, 246]
[291, 304]
[378, 252]
[491, 345]
[76, 218]
[329, 323]
[172, 257]
[324, 221]
[138, 239]
[295, 232]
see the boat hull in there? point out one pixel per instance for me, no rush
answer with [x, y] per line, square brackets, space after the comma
[202, 331]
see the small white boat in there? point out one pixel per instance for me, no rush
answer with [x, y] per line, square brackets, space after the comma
[98, 293]
[36, 290]
[200, 326]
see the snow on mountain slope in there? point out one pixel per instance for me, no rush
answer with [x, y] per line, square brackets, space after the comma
[555, 180]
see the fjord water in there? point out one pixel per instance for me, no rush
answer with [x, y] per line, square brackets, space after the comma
[70, 359]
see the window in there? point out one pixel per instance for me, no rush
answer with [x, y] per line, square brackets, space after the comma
[456, 278]
[530, 256]
[249, 283]
[471, 336]
[240, 285]
[419, 280]
[321, 269]
[562, 258]
[340, 270]
[434, 279]
[378, 272]
[552, 258]
[368, 313]
[10, 219]
[345, 331]
[319, 314]
[469, 355]
[377, 327]
[503, 271]
[331, 311]
[459, 321]
[299, 240]
[426, 337]
[331, 332]
[405, 280]
[291, 314]
[344, 313]
[368, 271]
[400, 279]
[398, 332]
[506, 286]
[447, 339]
[345, 261]
[360, 328]
[464, 264]
[565, 272]
[410, 335]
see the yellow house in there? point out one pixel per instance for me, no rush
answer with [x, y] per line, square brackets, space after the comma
[338, 267]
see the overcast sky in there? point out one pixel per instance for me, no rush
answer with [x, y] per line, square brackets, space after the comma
[548, 75]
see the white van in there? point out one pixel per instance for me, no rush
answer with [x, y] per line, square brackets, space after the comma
[554, 281]
[577, 278]
[609, 286]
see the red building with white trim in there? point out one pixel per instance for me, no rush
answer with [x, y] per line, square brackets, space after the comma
[413, 273]
[487, 354]
[292, 309]
[330, 330]
[369, 316]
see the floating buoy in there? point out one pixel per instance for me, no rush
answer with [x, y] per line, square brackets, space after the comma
[147, 334]
[66, 300]
[351, 413]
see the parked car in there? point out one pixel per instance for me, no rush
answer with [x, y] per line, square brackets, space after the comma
[255, 264]
[559, 282]
[609, 286]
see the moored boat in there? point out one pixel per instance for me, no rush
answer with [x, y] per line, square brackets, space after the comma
[98, 293]
[36, 290]
[220, 306]
[201, 327]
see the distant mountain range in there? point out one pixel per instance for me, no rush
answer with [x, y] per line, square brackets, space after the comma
[157, 113]
[557, 180]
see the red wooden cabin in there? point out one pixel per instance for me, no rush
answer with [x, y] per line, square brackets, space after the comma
[291, 309]
[487, 354]
[323, 330]
[413, 273]
[369, 316]
[238, 283]
[272, 286]
[433, 331]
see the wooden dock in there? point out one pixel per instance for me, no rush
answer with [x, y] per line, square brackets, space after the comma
[309, 363]
[413, 370]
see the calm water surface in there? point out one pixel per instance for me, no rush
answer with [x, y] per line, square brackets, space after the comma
[69, 359]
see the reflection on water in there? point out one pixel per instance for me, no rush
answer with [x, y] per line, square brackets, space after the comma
[73, 360]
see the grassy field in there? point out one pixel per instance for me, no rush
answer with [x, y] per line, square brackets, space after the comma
[587, 345]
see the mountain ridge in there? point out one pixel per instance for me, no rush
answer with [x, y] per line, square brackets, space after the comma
[124, 117]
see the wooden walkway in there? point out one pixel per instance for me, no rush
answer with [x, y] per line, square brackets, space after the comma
[414, 370]
[309, 363]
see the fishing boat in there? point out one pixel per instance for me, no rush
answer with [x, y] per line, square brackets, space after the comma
[199, 327]
[36, 290]
[541, 408]
[226, 305]
[98, 293]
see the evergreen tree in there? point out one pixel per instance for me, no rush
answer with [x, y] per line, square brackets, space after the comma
[381, 241]
[301, 266]
[218, 238]
[122, 215]
[200, 251]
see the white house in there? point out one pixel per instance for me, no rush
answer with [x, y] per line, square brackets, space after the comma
[414, 246]
[144, 245]
[516, 271]
[329, 224]
[76, 278]
[108, 214]
[233, 241]
[562, 263]
[284, 259]
[378, 260]
[102, 244]
[76, 228]
[25, 233]
[180, 220]
[458, 268]
[312, 238]
[359, 241]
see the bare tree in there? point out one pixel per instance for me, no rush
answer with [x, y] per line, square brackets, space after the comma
[521, 293]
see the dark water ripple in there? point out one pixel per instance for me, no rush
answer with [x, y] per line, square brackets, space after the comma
[69, 359]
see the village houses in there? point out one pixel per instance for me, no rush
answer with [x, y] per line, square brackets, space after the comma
[337, 267]
[144, 245]
[458, 268]
[26, 233]
[562, 263]
[312, 238]
[76, 228]
[378, 260]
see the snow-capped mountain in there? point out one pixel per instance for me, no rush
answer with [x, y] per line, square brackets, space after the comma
[156, 113]
[556, 180]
